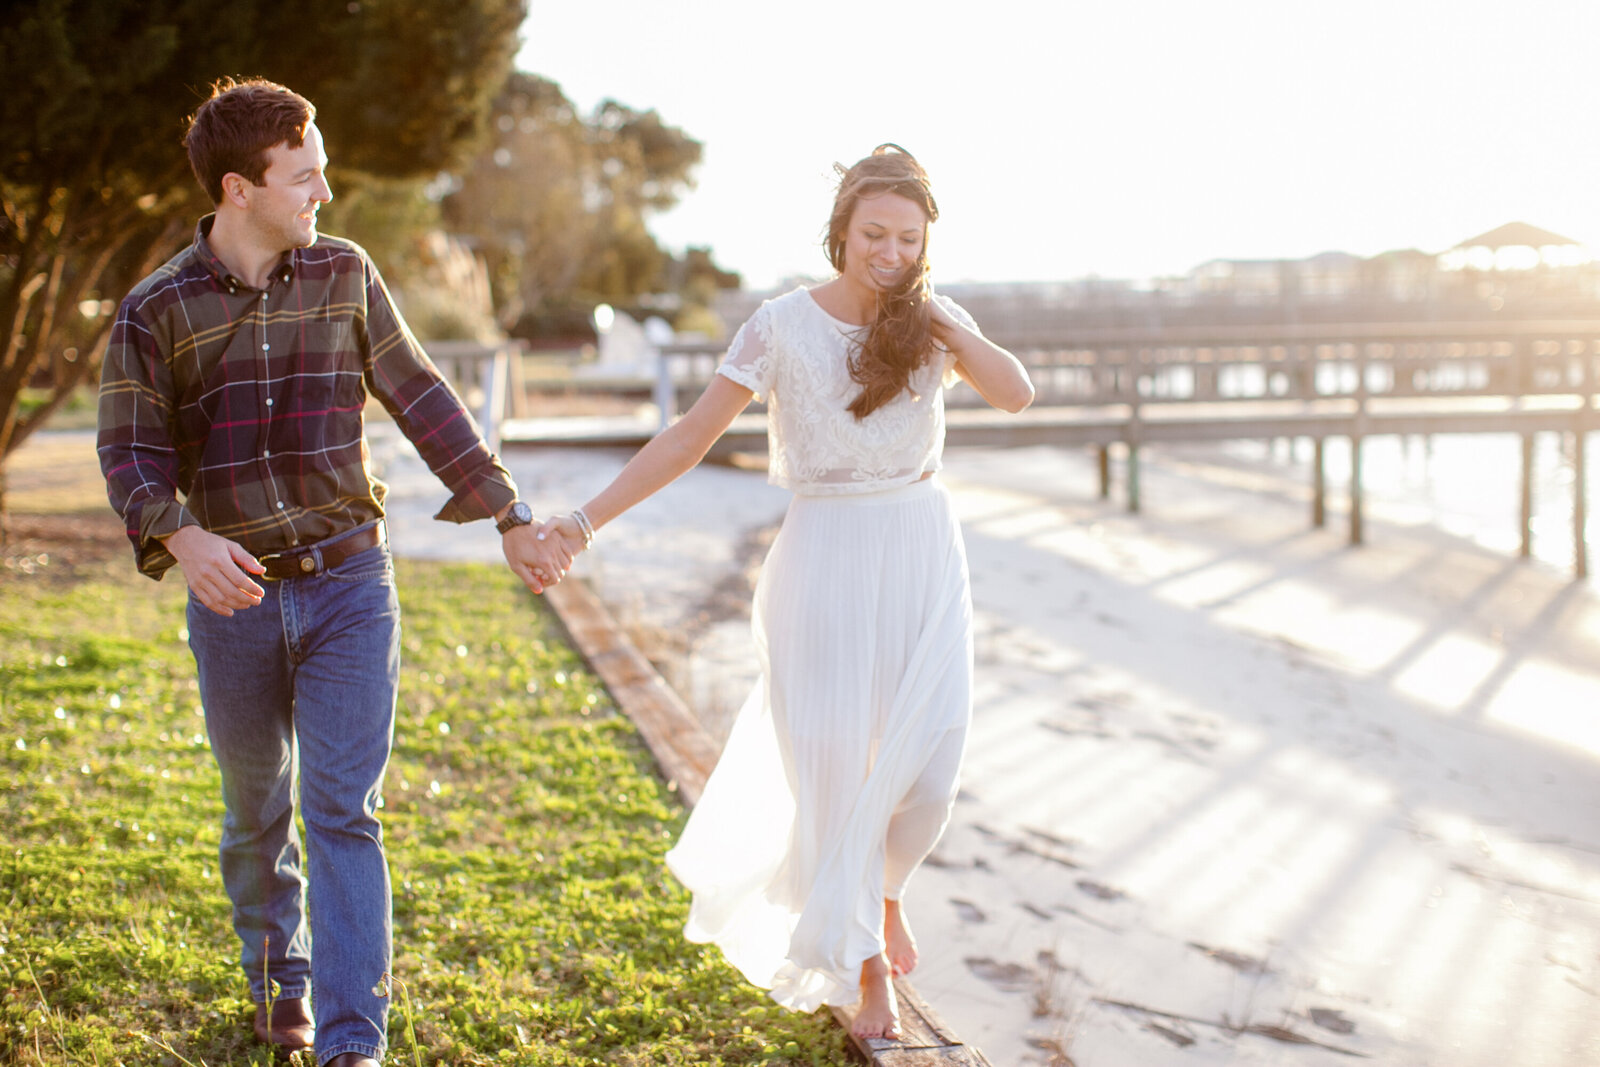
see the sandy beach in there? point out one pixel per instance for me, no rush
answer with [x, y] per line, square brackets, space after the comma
[1236, 792]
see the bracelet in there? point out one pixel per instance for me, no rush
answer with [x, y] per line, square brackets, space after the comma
[584, 525]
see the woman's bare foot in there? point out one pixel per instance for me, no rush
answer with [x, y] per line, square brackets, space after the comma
[879, 1014]
[901, 946]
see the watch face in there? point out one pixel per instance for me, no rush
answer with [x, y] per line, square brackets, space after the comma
[519, 514]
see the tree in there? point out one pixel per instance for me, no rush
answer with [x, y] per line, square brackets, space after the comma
[557, 203]
[94, 183]
[696, 278]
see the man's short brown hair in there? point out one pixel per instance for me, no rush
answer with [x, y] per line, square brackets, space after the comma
[232, 131]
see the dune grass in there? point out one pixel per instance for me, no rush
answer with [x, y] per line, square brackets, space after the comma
[534, 921]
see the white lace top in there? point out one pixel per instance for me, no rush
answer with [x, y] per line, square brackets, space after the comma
[795, 356]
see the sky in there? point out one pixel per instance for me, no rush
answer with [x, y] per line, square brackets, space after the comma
[1119, 138]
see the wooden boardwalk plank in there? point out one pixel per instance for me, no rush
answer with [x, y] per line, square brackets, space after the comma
[686, 754]
[675, 737]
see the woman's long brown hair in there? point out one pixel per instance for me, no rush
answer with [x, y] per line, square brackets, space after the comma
[900, 336]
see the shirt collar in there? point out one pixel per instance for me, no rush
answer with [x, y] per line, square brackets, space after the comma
[283, 272]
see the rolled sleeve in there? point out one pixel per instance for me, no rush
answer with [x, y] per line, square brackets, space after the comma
[493, 492]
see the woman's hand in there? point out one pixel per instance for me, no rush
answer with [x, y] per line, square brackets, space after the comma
[943, 323]
[564, 535]
[997, 375]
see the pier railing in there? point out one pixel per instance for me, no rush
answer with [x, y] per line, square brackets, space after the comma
[1313, 362]
[1124, 388]
[1287, 362]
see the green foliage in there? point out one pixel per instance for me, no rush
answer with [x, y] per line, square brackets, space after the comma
[534, 921]
[93, 179]
[557, 202]
[440, 287]
[389, 217]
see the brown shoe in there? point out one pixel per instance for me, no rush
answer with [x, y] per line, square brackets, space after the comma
[290, 1028]
[351, 1059]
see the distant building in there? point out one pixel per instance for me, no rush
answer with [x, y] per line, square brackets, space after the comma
[1512, 270]
[1248, 281]
[1405, 275]
[1330, 276]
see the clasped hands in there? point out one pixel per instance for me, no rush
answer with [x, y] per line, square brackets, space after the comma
[542, 553]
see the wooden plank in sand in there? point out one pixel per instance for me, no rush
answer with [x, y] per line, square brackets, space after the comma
[686, 754]
[925, 1040]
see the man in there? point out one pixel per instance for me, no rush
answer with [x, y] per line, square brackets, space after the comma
[232, 442]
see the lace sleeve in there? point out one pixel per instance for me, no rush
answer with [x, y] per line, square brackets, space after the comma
[749, 360]
[959, 313]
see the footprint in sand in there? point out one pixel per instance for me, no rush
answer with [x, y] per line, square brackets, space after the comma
[1239, 961]
[1100, 892]
[968, 912]
[1012, 977]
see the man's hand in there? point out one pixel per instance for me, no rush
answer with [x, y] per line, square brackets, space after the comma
[215, 569]
[537, 556]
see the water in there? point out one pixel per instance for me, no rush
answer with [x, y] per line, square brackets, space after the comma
[1464, 484]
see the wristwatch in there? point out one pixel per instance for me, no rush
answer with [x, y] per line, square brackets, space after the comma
[519, 515]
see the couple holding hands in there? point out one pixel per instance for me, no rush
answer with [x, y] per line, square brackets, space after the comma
[232, 441]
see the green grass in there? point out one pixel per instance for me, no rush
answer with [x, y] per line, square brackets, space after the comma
[534, 921]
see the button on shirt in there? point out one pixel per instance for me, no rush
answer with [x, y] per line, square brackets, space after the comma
[247, 404]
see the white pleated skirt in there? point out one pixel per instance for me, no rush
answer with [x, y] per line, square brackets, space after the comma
[863, 625]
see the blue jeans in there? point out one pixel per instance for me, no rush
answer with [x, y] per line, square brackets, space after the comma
[303, 686]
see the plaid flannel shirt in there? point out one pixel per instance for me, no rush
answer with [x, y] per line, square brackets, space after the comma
[248, 403]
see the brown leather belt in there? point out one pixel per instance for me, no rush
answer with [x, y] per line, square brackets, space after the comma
[310, 560]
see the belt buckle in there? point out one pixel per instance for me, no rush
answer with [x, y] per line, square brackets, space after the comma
[307, 564]
[266, 565]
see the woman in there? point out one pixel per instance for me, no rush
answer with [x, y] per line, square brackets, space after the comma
[840, 771]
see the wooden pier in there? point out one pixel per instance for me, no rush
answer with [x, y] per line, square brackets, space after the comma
[1124, 389]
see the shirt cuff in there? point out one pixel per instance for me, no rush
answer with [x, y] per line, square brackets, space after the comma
[481, 501]
[158, 520]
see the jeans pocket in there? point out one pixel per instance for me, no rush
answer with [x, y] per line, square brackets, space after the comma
[373, 564]
[195, 604]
